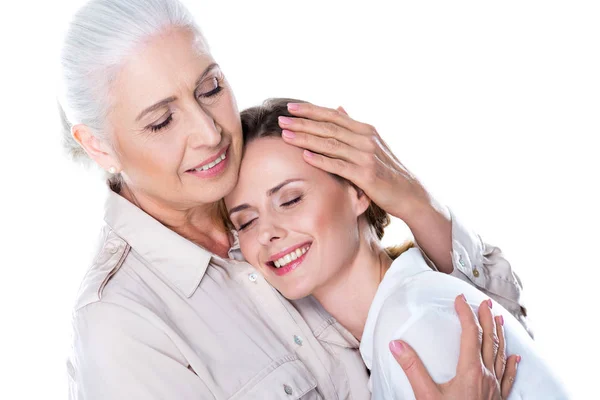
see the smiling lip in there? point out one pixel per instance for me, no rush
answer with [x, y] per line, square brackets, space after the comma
[277, 256]
[209, 160]
[290, 266]
[214, 171]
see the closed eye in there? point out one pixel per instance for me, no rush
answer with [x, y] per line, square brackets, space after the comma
[210, 88]
[161, 125]
[245, 225]
[292, 202]
[212, 93]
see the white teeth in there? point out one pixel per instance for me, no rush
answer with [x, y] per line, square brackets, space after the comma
[288, 258]
[212, 164]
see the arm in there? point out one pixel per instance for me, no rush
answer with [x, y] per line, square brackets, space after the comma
[119, 355]
[482, 372]
[434, 330]
[355, 151]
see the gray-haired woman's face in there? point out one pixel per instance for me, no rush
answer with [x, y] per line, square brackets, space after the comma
[176, 127]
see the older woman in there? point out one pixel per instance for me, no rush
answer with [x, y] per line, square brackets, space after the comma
[163, 312]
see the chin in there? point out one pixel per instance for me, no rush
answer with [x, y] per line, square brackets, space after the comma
[295, 293]
[212, 192]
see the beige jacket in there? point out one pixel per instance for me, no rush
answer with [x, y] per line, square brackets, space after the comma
[158, 317]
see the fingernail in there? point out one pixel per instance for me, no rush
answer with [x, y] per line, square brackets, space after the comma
[501, 320]
[285, 120]
[397, 347]
[463, 297]
[293, 106]
[288, 134]
[518, 359]
[308, 153]
[489, 301]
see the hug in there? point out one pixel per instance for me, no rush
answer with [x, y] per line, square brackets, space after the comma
[240, 256]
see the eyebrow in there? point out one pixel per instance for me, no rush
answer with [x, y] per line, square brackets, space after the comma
[170, 99]
[270, 193]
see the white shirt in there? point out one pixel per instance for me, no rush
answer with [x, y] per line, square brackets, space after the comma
[416, 304]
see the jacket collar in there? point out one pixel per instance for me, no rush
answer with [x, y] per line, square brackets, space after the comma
[180, 261]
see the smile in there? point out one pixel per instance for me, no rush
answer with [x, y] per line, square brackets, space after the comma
[212, 164]
[211, 167]
[288, 258]
[282, 263]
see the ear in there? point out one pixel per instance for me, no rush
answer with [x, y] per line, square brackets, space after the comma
[96, 149]
[360, 201]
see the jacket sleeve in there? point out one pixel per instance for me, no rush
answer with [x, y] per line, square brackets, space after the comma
[485, 267]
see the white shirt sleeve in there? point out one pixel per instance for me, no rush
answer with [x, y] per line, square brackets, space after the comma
[423, 315]
[119, 355]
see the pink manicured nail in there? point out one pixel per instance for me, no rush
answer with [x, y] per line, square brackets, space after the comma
[518, 359]
[309, 154]
[293, 106]
[489, 301]
[285, 120]
[501, 320]
[397, 346]
[463, 297]
[288, 134]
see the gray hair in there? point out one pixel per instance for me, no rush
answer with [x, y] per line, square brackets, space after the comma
[100, 36]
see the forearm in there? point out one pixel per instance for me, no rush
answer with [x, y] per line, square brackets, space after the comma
[431, 226]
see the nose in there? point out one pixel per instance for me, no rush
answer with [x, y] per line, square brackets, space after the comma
[203, 130]
[269, 232]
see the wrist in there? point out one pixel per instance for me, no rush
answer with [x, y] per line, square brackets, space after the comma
[424, 210]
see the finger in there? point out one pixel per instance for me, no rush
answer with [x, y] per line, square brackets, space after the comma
[324, 114]
[326, 130]
[470, 337]
[501, 357]
[341, 109]
[489, 348]
[330, 147]
[423, 386]
[345, 169]
[509, 375]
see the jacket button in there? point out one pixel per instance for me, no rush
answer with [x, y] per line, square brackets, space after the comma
[288, 390]
[475, 272]
[298, 340]
[252, 277]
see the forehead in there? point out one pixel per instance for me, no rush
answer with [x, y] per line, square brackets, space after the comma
[267, 162]
[166, 63]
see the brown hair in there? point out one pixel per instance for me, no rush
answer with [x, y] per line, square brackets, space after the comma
[263, 121]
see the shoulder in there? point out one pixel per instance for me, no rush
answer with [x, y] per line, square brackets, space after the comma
[110, 256]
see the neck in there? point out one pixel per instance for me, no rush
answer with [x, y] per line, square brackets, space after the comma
[200, 224]
[348, 295]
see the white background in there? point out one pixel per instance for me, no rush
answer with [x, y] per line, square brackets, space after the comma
[494, 105]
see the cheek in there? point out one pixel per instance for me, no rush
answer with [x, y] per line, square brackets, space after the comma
[333, 215]
[337, 229]
[250, 248]
[155, 155]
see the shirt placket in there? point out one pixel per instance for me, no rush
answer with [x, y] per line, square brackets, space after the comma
[292, 328]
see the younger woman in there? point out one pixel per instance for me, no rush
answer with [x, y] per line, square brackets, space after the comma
[312, 233]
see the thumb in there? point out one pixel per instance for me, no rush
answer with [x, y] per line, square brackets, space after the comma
[341, 109]
[422, 385]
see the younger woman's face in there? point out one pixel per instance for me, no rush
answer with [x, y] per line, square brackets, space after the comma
[297, 224]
